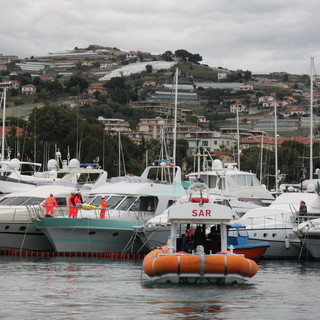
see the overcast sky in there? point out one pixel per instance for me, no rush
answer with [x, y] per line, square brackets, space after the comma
[255, 35]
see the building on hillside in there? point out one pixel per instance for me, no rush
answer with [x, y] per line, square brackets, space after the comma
[155, 127]
[213, 140]
[149, 84]
[131, 55]
[12, 84]
[3, 67]
[293, 112]
[246, 87]
[136, 136]
[108, 65]
[115, 126]
[203, 122]
[91, 90]
[269, 142]
[28, 89]
[225, 157]
[5, 59]
[87, 63]
[238, 106]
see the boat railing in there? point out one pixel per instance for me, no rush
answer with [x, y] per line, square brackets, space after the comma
[62, 211]
[138, 216]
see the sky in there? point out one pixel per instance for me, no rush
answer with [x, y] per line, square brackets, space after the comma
[256, 35]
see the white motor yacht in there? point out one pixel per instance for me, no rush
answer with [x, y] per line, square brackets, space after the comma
[274, 224]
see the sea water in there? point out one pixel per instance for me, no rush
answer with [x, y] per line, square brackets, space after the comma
[74, 288]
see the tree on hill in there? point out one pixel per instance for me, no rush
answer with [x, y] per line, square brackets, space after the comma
[79, 82]
[187, 56]
[167, 56]
[117, 89]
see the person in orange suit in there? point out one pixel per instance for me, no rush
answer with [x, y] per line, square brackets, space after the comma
[78, 201]
[71, 205]
[49, 204]
[104, 204]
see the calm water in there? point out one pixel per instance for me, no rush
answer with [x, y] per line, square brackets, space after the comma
[70, 288]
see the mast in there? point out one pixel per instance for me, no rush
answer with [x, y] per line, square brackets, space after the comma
[3, 122]
[238, 138]
[276, 145]
[261, 157]
[119, 154]
[175, 119]
[311, 116]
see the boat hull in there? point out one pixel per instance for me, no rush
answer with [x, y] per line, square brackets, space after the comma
[284, 244]
[89, 235]
[22, 235]
[251, 251]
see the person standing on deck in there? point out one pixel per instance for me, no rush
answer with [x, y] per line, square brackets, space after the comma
[104, 205]
[71, 205]
[78, 201]
[49, 204]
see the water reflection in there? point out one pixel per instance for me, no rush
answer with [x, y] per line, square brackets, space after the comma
[192, 310]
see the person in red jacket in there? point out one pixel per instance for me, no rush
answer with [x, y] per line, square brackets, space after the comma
[49, 204]
[71, 205]
[104, 205]
[78, 201]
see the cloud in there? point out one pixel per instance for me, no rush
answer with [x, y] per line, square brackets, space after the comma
[260, 35]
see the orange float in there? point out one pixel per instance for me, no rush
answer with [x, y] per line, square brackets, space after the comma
[162, 266]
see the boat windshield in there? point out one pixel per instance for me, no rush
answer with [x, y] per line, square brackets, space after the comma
[113, 201]
[127, 203]
[246, 180]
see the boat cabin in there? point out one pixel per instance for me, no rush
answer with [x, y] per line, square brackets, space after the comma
[205, 215]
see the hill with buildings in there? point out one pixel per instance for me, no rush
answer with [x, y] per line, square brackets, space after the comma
[133, 93]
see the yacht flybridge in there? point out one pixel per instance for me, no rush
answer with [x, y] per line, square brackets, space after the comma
[229, 181]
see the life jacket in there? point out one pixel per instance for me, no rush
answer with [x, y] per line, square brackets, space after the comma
[50, 201]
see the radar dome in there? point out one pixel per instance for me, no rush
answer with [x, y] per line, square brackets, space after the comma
[311, 188]
[52, 164]
[15, 164]
[216, 164]
[74, 164]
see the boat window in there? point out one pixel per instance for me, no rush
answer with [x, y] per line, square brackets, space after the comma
[5, 201]
[204, 179]
[61, 201]
[89, 199]
[95, 200]
[148, 203]
[232, 233]
[32, 201]
[246, 180]
[135, 205]
[18, 201]
[113, 201]
[221, 183]
[126, 204]
[212, 182]
[243, 232]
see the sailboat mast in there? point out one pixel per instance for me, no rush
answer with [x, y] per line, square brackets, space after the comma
[276, 145]
[238, 138]
[175, 119]
[311, 116]
[3, 122]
